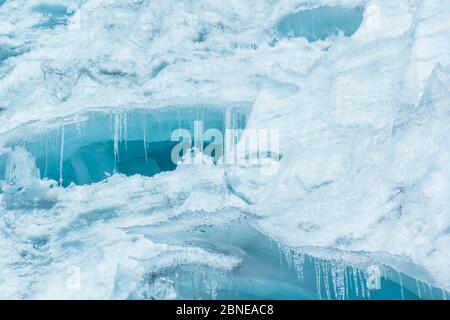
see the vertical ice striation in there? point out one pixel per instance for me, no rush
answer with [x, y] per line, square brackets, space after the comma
[116, 138]
[144, 130]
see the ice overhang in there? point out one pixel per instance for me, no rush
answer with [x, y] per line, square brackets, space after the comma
[320, 23]
[88, 147]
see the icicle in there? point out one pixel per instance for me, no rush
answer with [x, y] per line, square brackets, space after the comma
[401, 284]
[111, 125]
[61, 157]
[235, 128]
[280, 253]
[338, 276]
[46, 155]
[125, 129]
[334, 280]
[318, 279]
[298, 261]
[362, 282]
[288, 256]
[158, 121]
[116, 139]
[78, 127]
[423, 289]
[203, 116]
[144, 126]
[431, 291]
[347, 283]
[418, 289]
[326, 278]
[355, 280]
[444, 295]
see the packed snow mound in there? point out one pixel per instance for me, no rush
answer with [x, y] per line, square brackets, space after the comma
[362, 109]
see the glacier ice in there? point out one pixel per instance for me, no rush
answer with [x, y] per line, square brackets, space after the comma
[91, 208]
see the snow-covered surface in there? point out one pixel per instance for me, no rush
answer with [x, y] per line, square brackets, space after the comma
[364, 124]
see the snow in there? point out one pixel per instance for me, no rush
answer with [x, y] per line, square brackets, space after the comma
[363, 118]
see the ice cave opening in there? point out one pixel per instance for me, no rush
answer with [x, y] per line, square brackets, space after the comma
[320, 23]
[87, 148]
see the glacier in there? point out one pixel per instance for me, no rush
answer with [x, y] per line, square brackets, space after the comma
[91, 207]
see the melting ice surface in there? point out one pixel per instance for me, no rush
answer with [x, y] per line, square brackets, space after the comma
[92, 207]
